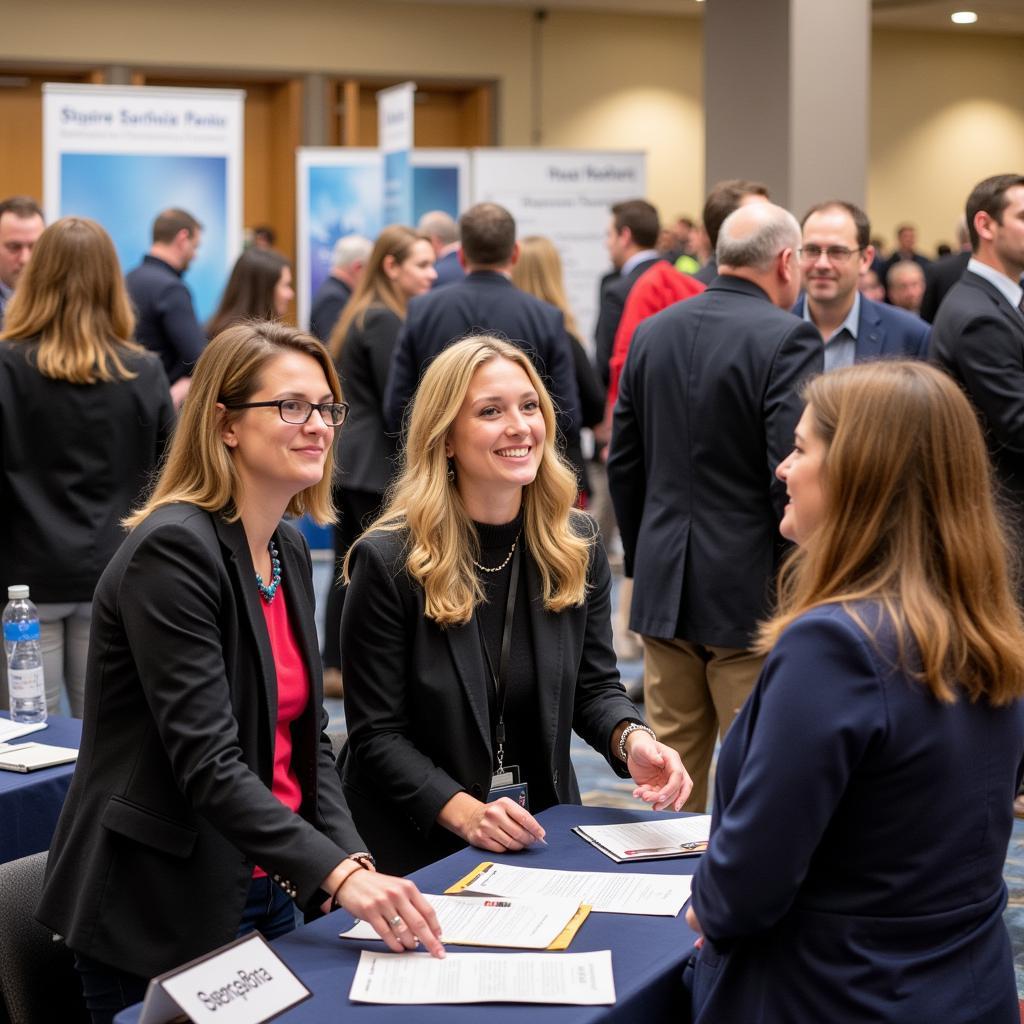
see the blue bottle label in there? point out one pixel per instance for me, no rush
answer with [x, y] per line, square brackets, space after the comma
[23, 629]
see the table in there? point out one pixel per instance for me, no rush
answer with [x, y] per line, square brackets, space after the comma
[647, 952]
[30, 802]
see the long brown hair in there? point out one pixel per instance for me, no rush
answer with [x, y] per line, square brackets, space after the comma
[72, 302]
[198, 468]
[375, 288]
[910, 521]
[249, 293]
[539, 272]
[424, 501]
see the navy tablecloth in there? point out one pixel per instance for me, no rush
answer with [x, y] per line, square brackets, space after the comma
[647, 952]
[30, 802]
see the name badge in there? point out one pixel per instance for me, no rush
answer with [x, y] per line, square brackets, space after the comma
[244, 982]
[517, 792]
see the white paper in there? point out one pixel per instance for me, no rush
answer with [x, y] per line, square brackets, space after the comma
[12, 730]
[606, 892]
[572, 979]
[669, 837]
[492, 921]
[24, 757]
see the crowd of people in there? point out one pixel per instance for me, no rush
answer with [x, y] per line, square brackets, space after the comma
[818, 496]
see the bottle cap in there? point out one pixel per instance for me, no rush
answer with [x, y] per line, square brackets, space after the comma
[17, 593]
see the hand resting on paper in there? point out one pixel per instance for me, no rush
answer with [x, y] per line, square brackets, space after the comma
[393, 907]
[661, 779]
[499, 826]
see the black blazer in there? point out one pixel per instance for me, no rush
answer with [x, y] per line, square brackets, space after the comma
[483, 302]
[366, 451]
[416, 700]
[614, 292]
[170, 806]
[74, 458]
[939, 277]
[167, 323]
[328, 305]
[707, 407]
[978, 337]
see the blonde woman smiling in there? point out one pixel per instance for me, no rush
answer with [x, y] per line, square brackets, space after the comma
[476, 631]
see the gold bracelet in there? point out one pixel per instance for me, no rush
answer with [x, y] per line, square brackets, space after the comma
[335, 902]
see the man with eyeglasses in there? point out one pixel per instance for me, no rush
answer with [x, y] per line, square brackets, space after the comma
[835, 250]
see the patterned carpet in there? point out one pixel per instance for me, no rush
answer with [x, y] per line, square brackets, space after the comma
[601, 787]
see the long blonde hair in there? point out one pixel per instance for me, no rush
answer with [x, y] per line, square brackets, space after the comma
[442, 542]
[71, 297]
[375, 288]
[539, 272]
[910, 521]
[198, 468]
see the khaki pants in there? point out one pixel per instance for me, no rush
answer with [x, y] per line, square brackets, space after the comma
[691, 693]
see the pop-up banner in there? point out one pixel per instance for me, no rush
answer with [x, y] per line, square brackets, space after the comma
[395, 117]
[565, 195]
[340, 192]
[121, 154]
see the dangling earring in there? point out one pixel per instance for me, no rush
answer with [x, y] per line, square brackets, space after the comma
[451, 471]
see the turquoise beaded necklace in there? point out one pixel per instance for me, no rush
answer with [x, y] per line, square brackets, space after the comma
[267, 591]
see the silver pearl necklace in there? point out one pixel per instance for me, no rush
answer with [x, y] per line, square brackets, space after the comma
[508, 558]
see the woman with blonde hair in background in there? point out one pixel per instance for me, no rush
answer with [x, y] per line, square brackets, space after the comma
[863, 795]
[84, 416]
[204, 803]
[400, 267]
[539, 272]
[476, 632]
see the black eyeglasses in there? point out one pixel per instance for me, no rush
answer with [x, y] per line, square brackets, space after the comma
[296, 411]
[835, 253]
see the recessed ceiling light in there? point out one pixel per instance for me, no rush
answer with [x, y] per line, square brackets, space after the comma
[963, 17]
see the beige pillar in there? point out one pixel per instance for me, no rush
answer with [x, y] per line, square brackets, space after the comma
[786, 96]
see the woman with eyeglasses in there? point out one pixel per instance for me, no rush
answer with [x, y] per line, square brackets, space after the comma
[204, 802]
[85, 413]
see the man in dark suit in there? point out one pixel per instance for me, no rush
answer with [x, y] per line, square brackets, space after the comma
[708, 403]
[485, 301]
[835, 249]
[978, 335]
[630, 240]
[348, 258]
[167, 323]
[725, 197]
[941, 275]
[21, 224]
[443, 234]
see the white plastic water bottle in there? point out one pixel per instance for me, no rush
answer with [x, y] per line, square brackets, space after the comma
[24, 657]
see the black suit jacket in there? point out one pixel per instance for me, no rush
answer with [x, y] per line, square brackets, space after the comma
[707, 407]
[166, 323]
[74, 458]
[170, 806]
[328, 305]
[978, 337]
[614, 292]
[939, 277]
[484, 302]
[366, 451]
[416, 700]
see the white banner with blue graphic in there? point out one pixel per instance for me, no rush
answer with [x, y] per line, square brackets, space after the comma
[396, 111]
[121, 154]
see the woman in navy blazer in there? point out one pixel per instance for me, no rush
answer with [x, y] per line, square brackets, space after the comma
[863, 799]
[481, 541]
[204, 800]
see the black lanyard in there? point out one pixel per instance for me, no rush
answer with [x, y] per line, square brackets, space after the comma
[500, 680]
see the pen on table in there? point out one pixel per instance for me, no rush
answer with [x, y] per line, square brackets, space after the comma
[667, 849]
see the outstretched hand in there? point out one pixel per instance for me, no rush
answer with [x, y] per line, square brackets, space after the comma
[661, 779]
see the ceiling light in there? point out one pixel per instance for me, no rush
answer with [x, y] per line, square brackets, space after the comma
[963, 18]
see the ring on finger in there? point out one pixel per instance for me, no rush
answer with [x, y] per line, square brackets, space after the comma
[395, 922]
